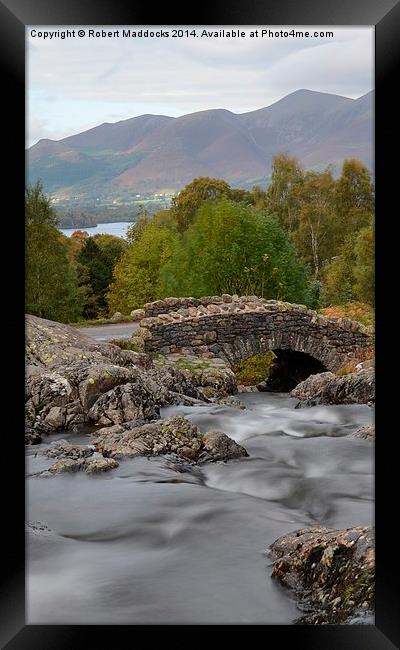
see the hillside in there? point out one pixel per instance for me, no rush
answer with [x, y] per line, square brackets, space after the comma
[155, 153]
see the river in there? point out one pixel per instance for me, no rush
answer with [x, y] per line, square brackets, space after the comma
[119, 229]
[146, 543]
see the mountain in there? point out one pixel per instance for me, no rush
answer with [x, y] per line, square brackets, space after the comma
[156, 153]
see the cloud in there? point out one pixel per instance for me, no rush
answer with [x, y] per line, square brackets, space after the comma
[76, 83]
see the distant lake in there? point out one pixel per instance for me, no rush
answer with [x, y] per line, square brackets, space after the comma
[118, 229]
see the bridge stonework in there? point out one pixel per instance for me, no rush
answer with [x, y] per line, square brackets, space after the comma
[235, 328]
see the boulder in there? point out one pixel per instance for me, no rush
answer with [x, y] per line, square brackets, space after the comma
[174, 435]
[89, 466]
[211, 377]
[117, 317]
[62, 449]
[366, 433]
[332, 572]
[72, 380]
[124, 403]
[328, 388]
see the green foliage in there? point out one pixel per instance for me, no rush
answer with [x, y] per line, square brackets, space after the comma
[51, 289]
[255, 369]
[38, 209]
[188, 201]
[354, 199]
[233, 248]
[136, 274]
[97, 257]
[319, 213]
[350, 275]
[287, 176]
[364, 271]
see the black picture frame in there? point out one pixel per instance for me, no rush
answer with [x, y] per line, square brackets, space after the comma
[14, 16]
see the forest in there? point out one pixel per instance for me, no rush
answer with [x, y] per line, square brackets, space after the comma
[307, 238]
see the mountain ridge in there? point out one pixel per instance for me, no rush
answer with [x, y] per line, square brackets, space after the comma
[152, 153]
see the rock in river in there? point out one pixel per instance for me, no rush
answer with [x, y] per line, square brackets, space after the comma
[174, 435]
[328, 388]
[332, 572]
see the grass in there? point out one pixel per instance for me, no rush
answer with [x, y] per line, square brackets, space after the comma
[255, 369]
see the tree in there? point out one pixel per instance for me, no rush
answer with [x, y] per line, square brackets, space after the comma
[185, 205]
[136, 274]
[281, 196]
[350, 275]
[51, 288]
[364, 271]
[354, 197]
[97, 258]
[315, 234]
[233, 248]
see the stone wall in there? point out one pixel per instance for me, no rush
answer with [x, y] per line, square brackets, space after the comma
[238, 328]
[168, 305]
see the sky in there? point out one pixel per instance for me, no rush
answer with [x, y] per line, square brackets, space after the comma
[76, 83]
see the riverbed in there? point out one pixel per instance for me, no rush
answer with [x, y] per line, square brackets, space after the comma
[155, 541]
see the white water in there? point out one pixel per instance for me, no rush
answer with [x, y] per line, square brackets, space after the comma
[147, 543]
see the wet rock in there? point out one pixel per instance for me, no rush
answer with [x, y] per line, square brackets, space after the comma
[97, 465]
[32, 437]
[62, 449]
[124, 403]
[332, 572]
[174, 435]
[87, 465]
[38, 528]
[366, 433]
[328, 388]
[173, 382]
[211, 377]
[232, 402]
[65, 465]
[247, 389]
[218, 446]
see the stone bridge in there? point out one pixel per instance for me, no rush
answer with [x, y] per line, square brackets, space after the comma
[235, 328]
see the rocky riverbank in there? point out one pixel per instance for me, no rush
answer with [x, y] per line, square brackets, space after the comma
[73, 382]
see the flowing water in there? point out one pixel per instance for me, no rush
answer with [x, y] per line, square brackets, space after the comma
[151, 542]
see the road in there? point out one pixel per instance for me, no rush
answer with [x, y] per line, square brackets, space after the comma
[112, 331]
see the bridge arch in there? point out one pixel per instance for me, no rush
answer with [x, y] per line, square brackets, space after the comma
[235, 328]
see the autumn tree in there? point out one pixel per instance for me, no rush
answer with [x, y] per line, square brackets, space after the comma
[187, 202]
[349, 276]
[354, 197]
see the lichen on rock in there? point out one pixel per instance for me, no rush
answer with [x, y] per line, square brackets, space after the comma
[173, 435]
[332, 572]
